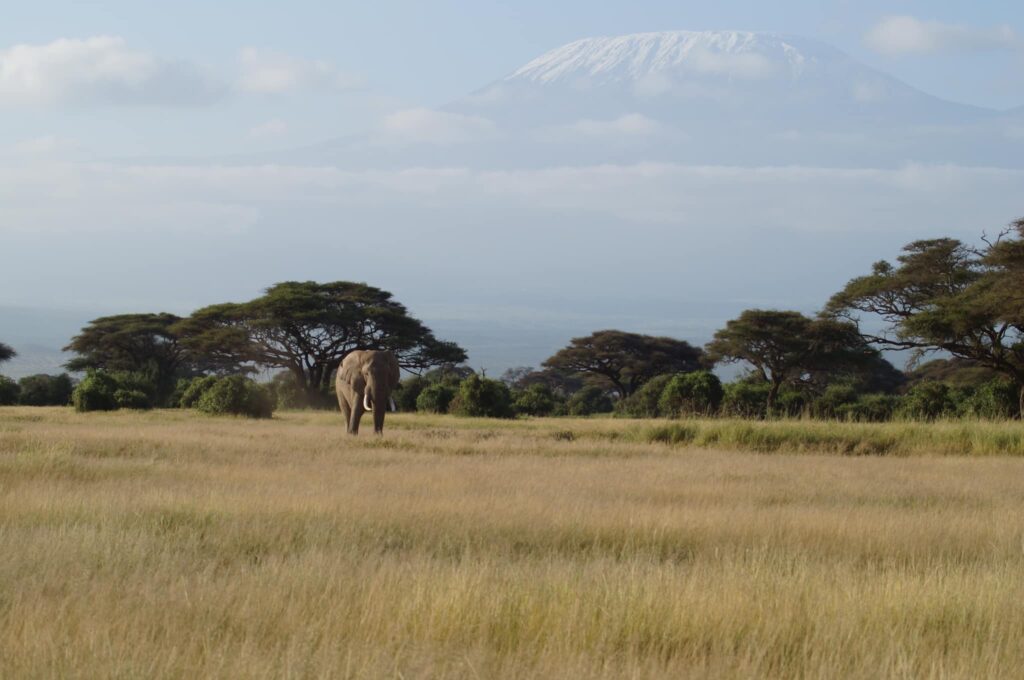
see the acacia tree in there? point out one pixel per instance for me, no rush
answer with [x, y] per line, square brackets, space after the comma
[788, 347]
[147, 344]
[6, 353]
[944, 295]
[622, 361]
[307, 328]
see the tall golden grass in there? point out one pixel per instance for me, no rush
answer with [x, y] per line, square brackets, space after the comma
[171, 545]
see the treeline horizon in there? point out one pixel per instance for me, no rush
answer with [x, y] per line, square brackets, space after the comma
[941, 296]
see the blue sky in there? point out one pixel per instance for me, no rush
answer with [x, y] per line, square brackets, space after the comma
[152, 158]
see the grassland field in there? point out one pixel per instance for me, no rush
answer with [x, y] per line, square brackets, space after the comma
[167, 544]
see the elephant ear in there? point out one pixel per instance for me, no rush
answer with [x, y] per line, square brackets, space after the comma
[395, 373]
[351, 372]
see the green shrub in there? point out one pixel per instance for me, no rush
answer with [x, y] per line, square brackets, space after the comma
[790, 402]
[9, 391]
[237, 395]
[691, 394]
[137, 382]
[45, 390]
[409, 391]
[928, 401]
[869, 408]
[195, 390]
[435, 398]
[96, 393]
[994, 400]
[537, 400]
[174, 399]
[483, 398]
[744, 399]
[135, 399]
[286, 392]
[588, 401]
[834, 401]
[644, 402]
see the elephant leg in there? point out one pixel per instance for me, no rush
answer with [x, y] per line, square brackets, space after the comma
[346, 411]
[357, 413]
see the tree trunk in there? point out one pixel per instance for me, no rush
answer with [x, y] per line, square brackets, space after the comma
[773, 393]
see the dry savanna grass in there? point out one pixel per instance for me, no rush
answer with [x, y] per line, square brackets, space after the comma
[171, 545]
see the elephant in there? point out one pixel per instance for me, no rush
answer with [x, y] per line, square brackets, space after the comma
[364, 383]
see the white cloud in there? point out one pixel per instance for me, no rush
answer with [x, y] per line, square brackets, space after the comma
[99, 70]
[264, 72]
[271, 128]
[137, 198]
[45, 145]
[897, 35]
[427, 126]
[626, 129]
[629, 125]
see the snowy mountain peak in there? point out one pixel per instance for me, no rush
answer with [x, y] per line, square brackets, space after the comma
[735, 54]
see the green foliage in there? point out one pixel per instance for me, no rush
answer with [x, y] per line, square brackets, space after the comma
[588, 401]
[790, 403]
[994, 400]
[287, 393]
[146, 345]
[314, 326]
[139, 382]
[869, 408]
[745, 399]
[788, 347]
[449, 373]
[832, 402]
[644, 402]
[408, 392]
[237, 395]
[96, 393]
[691, 394]
[483, 398]
[6, 353]
[538, 400]
[875, 376]
[928, 401]
[174, 399]
[945, 295]
[954, 372]
[45, 390]
[9, 391]
[435, 398]
[133, 399]
[622, 362]
[195, 390]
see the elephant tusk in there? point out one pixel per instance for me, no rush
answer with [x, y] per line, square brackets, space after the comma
[394, 406]
[366, 402]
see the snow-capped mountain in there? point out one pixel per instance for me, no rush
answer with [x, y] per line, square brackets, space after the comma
[686, 75]
[713, 97]
[643, 55]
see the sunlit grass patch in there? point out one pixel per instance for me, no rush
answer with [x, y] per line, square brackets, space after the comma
[167, 544]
